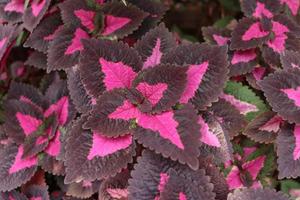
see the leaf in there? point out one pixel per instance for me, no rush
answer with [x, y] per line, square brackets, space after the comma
[223, 22]
[86, 160]
[41, 36]
[64, 49]
[174, 134]
[112, 115]
[259, 193]
[215, 76]
[154, 45]
[287, 185]
[166, 81]
[15, 171]
[245, 94]
[34, 13]
[37, 191]
[156, 170]
[264, 127]
[105, 65]
[186, 186]
[121, 20]
[156, 12]
[288, 166]
[281, 89]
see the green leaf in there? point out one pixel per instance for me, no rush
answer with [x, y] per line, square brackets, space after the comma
[20, 38]
[287, 185]
[260, 151]
[237, 148]
[223, 22]
[245, 94]
[62, 130]
[246, 142]
[227, 170]
[270, 162]
[269, 165]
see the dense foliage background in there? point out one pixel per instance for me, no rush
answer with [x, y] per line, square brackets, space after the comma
[149, 99]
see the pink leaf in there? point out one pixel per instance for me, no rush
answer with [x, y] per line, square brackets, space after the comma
[86, 18]
[278, 43]
[126, 111]
[37, 6]
[113, 23]
[195, 75]
[233, 178]
[164, 124]
[53, 147]
[256, 184]
[296, 153]
[153, 93]
[20, 163]
[164, 177]
[182, 196]
[221, 40]
[41, 140]
[117, 193]
[254, 32]
[248, 151]
[15, 6]
[293, 94]
[261, 11]
[243, 107]
[117, 75]
[207, 136]
[28, 123]
[292, 4]
[294, 192]
[254, 166]
[76, 41]
[243, 56]
[155, 57]
[272, 125]
[104, 146]
[60, 108]
[258, 72]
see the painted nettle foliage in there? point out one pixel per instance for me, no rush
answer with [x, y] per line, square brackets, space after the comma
[120, 107]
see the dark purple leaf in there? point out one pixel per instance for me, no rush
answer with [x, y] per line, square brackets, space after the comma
[211, 72]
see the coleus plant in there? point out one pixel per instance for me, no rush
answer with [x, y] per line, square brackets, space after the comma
[34, 124]
[136, 113]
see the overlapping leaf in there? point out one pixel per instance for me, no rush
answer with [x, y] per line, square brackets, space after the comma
[64, 49]
[264, 128]
[288, 152]
[106, 65]
[282, 90]
[156, 171]
[244, 99]
[206, 76]
[86, 161]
